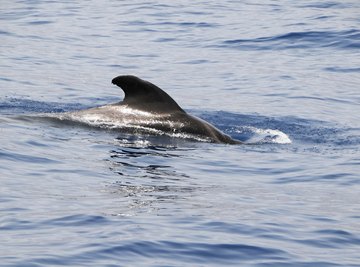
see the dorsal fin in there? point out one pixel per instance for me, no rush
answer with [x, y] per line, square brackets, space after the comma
[143, 95]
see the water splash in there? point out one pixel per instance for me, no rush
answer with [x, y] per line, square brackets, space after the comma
[264, 136]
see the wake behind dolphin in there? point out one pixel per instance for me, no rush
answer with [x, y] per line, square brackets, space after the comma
[147, 108]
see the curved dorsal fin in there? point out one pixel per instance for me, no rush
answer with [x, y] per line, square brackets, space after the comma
[143, 95]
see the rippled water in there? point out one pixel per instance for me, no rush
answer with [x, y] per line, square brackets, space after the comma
[282, 75]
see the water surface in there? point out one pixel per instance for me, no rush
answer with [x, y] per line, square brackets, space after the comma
[283, 75]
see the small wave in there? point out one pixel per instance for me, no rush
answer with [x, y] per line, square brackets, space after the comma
[325, 5]
[40, 22]
[342, 70]
[222, 253]
[348, 39]
[188, 24]
[22, 105]
[11, 156]
[76, 220]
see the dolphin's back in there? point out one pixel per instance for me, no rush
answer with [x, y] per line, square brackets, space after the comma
[144, 96]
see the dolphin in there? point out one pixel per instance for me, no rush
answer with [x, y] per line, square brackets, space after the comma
[147, 107]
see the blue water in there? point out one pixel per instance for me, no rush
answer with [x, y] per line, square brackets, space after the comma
[283, 74]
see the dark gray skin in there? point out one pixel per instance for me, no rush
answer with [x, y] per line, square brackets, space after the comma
[147, 106]
[145, 96]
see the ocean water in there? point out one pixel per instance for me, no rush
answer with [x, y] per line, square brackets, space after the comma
[281, 75]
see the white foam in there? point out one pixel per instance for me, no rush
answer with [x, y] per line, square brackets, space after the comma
[268, 136]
